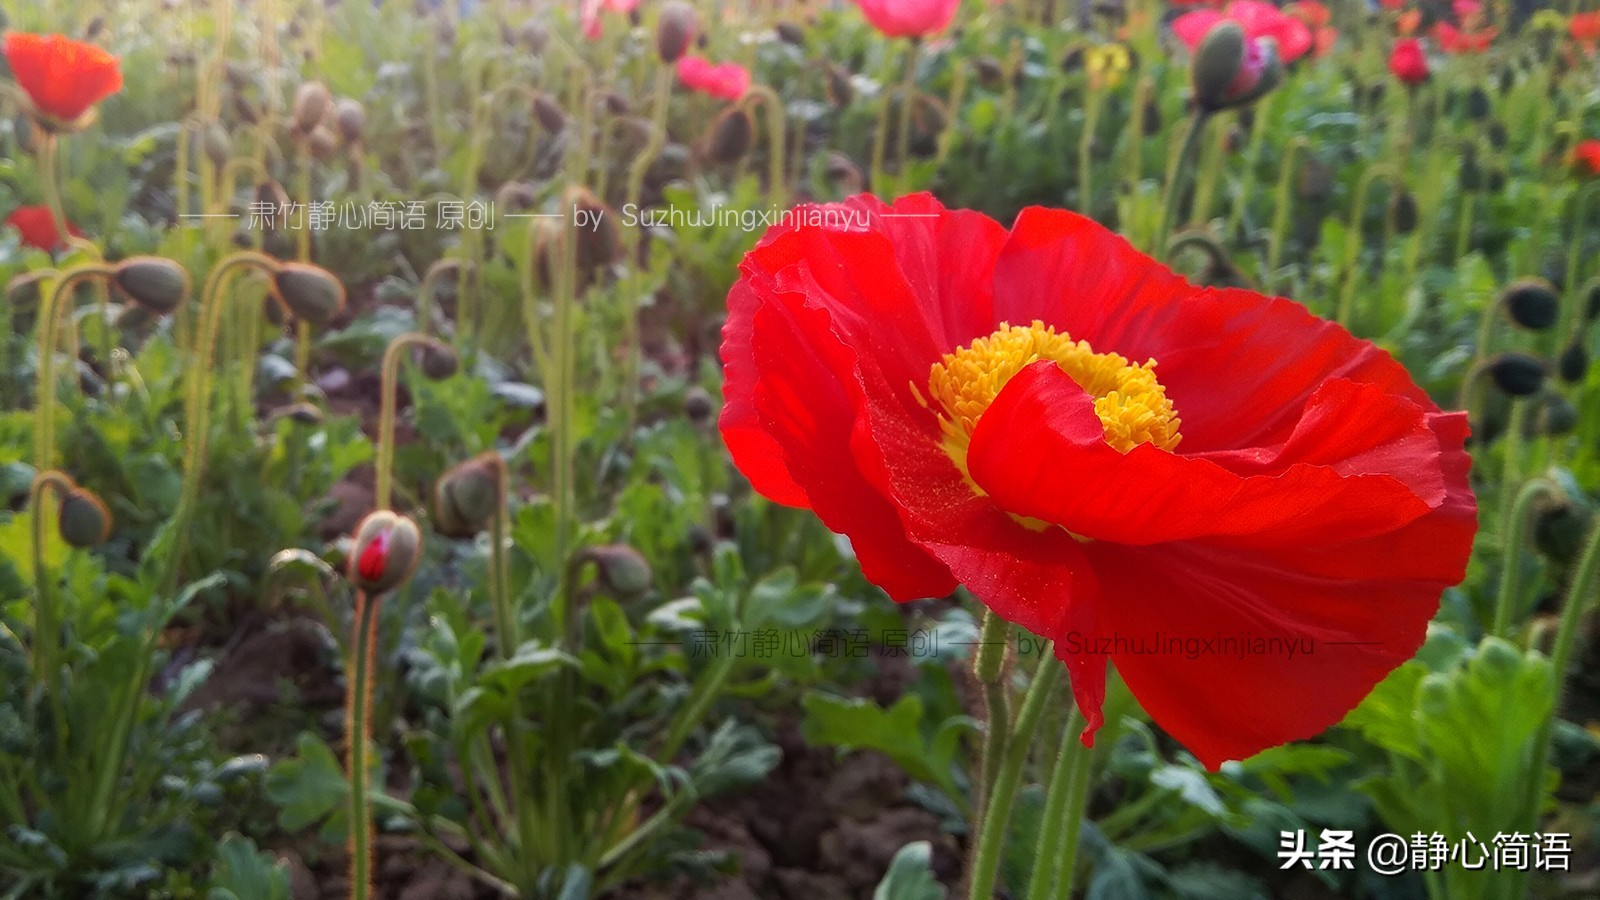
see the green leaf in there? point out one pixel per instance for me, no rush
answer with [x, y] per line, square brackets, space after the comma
[308, 787]
[855, 724]
[246, 873]
[910, 875]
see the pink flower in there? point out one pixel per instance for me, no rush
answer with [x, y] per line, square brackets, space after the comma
[909, 18]
[1257, 18]
[590, 14]
[726, 80]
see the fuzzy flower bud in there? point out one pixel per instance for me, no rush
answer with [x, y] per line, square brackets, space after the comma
[468, 495]
[311, 292]
[83, 519]
[1230, 70]
[157, 284]
[387, 551]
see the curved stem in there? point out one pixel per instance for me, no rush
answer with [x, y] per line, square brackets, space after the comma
[777, 130]
[1091, 118]
[358, 730]
[1508, 600]
[1177, 172]
[384, 463]
[197, 411]
[49, 324]
[46, 628]
[1345, 311]
[908, 101]
[997, 814]
[1280, 207]
[49, 161]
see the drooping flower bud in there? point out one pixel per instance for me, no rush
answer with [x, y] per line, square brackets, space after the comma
[1477, 103]
[23, 291]
[271, 197]
[791, 34]
[675, 30]
[322, 142]
[1517, 374]
[312, 102]
[386, 552]
[841, 90]
[311, 292]
[600, 242]
[844, 173]
[549, 113]
[1531, 303]
[218, 145]
[698, 405]
[622, 571]
[83, 519]
[439, 362]
[990, 73]
[1230, 70]
[1150, 118]
[1403, 213]
[1556, 415]
[157, 284]
[1573, 366]
[351, 118]
[516, 197]
[468, 495]
[731, 136]
[534, 36]
[301, 413]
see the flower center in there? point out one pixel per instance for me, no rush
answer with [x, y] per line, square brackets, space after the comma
[1132, 405]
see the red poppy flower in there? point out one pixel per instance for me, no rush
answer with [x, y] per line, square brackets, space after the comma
[1407, 62]
[1406, 23]
[1586, 156]
[1391, 5]
[62, 78]
[1258, 19]
[967, 404]
[728, 80]
[1453, 40]
[909, 18]
[1585, 29]
[1317, 18]
[38, 228]
[589, 15]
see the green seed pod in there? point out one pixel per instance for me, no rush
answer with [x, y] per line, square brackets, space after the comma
[1531, 303]
[157, 284]
[83, 519]
[311, 292]
[675, 30]
[387, 550]
[312, 103]
[731, 136]
[1517, 374]
[468, 495]
[622, 571]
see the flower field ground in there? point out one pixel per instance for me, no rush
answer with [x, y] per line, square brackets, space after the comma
[799, 449]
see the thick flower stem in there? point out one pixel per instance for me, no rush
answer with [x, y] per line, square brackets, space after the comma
[997, 814]
[908, 105]
[777, 138]
[358, 731]
[197, 403]
[49, 162]
[46, 626]
[988, 665]
[50, 309]
[1091, 118]
[1579, 597]
[1509, 600]
[1511, 467]
[1178, 172]
[1280, 208]
[1061, 824]
[383, 483]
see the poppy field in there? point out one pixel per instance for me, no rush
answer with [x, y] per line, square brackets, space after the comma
[800, 449]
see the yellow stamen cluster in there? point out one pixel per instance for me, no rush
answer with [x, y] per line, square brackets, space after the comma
[1132, 405]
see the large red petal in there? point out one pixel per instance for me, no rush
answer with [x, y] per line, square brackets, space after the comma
[1352, 609]
[1238, 367]
[1361, 463]
[809, 402]
[62, 77]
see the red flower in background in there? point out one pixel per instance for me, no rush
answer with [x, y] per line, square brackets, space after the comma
[1585, 29]
[1391, 5]
[909, 18]
[1586, 156]
[590, 15]
[38, 228]
[726, 80]
[63, 78]
[968, 405]
[1317, 18]
[1408, 62]
[1455, 41]
[1257, 18]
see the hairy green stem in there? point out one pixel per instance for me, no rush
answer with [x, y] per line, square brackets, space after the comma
[358, 731]
[383, 482]
[1508, 599]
